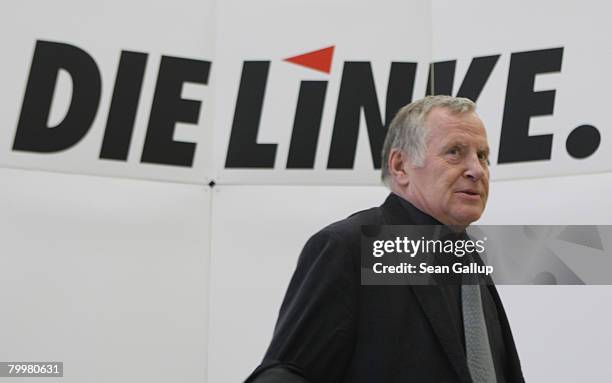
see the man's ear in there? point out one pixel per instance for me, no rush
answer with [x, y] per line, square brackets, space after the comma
[398, 167]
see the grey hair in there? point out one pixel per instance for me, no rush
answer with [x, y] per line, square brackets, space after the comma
[408, 133]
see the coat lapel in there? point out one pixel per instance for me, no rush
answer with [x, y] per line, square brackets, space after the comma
[432, 302]
[398, 212]
[514, 364]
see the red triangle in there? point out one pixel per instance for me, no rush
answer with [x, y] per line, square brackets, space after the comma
[320, 60]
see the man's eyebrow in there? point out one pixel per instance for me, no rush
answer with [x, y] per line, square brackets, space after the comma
[455, 142]
[462, 144]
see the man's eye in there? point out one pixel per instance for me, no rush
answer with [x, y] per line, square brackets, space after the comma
[454, 151]
[483, 157]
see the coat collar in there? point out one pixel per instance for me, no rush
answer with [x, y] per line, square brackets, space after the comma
[398, 211]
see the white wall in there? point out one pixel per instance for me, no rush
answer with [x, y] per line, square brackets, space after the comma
[107, 275]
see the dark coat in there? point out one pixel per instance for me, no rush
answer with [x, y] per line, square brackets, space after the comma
[333, 329]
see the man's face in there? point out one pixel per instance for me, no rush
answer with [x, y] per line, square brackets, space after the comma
[453, 184]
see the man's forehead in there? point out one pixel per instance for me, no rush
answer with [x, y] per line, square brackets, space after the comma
[442, 121]
[446, 116]
[447, 128]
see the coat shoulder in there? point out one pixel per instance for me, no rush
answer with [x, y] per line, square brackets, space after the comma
[347, 232]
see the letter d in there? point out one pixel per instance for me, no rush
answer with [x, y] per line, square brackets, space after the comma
[33, 134]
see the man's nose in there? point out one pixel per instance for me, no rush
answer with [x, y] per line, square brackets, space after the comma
[474, 169]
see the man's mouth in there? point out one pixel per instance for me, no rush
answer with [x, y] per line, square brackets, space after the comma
[469, 194]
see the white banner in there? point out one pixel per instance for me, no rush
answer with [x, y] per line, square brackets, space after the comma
[277, 92]
[109, 88]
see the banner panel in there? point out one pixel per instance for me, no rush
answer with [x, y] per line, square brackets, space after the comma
[308, 87]
[277, 92]
[108, 276]
[544, 101]
[108, 88]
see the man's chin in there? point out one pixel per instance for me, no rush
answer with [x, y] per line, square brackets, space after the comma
[466, 216]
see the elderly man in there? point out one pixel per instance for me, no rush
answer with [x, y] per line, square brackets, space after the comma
[331, 328]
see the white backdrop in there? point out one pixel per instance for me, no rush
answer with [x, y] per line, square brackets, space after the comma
[107, 275]
[103, 29]
[148, 274]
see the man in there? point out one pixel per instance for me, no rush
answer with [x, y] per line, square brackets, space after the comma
[333, 329]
